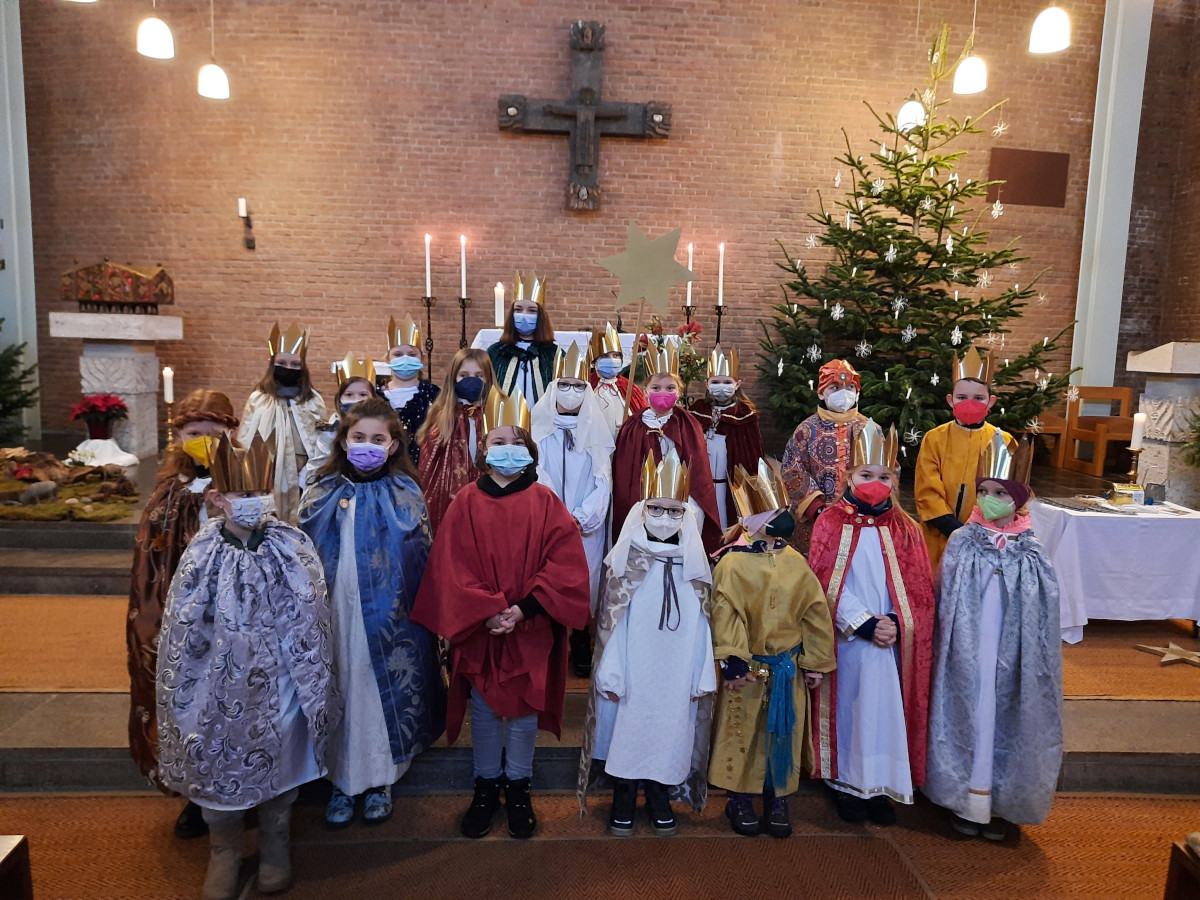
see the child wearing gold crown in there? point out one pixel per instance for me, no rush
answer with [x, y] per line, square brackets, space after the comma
[173, 514]
[410, 395]
[285, 406]
[945, 475]
[730, 423]
[995, 715]
[523, 358]
[650, 709]
[871, 712]
[246, 696]
[608, 382]
[774, 639]
[511, 576]
[354, 385]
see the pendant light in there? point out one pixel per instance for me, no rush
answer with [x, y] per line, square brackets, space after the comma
[154, 38]
[970, 75]
[1051, 31]
[213, 83]
[911, 116]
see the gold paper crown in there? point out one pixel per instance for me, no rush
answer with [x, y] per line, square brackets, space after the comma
[666, 481]
[997, 461]
[722, 363]
[505, 409]
[252, 469]
[871, 448]
[291, 341]
[972, 365]
[605, 341]
[762, 492]
[572, 364]
[535, 290]
[406, 334]
[662, 361]
[354, 366]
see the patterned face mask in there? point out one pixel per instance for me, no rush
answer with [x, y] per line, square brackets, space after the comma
[250, 512]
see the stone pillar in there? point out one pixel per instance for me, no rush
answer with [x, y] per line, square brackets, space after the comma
[1171, 399]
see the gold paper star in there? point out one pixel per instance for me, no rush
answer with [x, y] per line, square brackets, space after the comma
[647, 268]
[1172, 653]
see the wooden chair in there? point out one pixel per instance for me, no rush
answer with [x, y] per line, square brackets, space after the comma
[1051, 424]
[1096, 430]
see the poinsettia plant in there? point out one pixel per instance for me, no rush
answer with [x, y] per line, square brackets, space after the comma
[99, 408]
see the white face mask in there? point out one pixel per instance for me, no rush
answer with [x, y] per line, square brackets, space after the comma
[249, 512]
[722, 393]
[570, 400]
[840, 401]
[662, 527]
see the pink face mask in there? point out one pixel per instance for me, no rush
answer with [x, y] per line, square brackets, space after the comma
[662, 401]
[970, 412]
[872, 492]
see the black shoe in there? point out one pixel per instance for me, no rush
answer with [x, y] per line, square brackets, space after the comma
[775, 819]
[849, 807]
[521, 821]
[880, 811]
[190, 823]
[740, 812]
[477, 821]
[620, 820]
[581, 653]
[658, 808]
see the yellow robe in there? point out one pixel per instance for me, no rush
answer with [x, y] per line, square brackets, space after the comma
[763, 604]
[947, 463]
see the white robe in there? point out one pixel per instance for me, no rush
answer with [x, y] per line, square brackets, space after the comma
[657, 674]
[612, 404]
[991, 613]
[872, 740]
[718, 465]
[294, 425]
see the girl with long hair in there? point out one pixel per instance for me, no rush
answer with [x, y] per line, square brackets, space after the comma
[523, 358]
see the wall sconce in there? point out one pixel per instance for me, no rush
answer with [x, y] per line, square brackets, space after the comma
[244, 215]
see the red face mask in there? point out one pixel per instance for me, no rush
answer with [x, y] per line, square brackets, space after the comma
[872, 492]
[970, 412]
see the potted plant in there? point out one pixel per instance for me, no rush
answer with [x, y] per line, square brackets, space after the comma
[99, 411]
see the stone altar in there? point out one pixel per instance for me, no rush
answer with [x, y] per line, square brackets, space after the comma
[1171, 398]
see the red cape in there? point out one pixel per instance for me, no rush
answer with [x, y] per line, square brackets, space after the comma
[636, 403]
[743, 440]
[490, 553]
[635, 440]
[835, 535]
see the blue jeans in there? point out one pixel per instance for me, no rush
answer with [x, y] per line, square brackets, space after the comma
[490, 735]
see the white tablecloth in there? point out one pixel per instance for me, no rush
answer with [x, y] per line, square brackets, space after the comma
[564, 339]
[1113, 566]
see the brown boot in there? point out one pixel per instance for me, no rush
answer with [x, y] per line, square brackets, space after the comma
[275, 861]
[226, 843]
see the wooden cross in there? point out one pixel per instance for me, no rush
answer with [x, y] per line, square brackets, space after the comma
[584, 116]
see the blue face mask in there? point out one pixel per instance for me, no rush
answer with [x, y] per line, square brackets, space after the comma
[525, 323]
[366, 457]
[608, 368]
[508, 459]
[405, 366]
[469, 388]
[345, 405]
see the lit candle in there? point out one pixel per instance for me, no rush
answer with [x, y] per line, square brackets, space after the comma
[462, 248]
[956, 296]
[887, 376]
[169, 385]
[908, 393]
[810, 384]
[721, 275]
[1139, 428]
[1045, 341]
[428, 280]
[499, 292]
[689, 284]
[241, 207]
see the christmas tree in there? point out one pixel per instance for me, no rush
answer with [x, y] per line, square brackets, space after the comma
[16, 392]
[910, 285]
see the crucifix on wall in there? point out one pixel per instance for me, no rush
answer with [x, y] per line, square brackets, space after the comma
[584, 116]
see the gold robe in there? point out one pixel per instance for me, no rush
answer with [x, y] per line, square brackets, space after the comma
[295, 428]
[946, 465]
[763, 604]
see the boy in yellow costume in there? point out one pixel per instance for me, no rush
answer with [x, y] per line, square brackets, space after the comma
[950, 453]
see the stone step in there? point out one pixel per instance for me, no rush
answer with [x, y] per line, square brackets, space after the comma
[55, 571]
[68, 535]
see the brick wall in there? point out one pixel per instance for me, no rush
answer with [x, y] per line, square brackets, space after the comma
[356, 127]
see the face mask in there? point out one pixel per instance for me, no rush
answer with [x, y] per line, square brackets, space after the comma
[783, 525]
[843, 400]
[405, 366]
[249, 512]
[662, 401]
[469, 388]
[200, 450]
[721, 393]
[366, 457]
[994, 508]
[286, 377]
[508, 459]
[970, 412]
[525, 323]
[662, 527]
[570, 400]
[608, 368]
[872, 492]
[345, 405]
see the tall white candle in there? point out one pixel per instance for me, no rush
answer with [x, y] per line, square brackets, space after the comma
[1139, 428]
[428, 280]
[689, 284]
[169, 385]
[462, 249]
[721, 275]
[241, 207]
[499, 292]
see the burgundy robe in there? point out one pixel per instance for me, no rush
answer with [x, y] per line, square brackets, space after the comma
[446, 468]
[743, 440]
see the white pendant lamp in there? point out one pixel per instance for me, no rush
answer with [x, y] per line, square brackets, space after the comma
[212, 83]
[911, 115]
[154, 39]
[970, 77]
[1051, 31]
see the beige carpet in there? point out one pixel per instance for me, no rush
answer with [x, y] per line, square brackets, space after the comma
[63, 644]
[1105, 665]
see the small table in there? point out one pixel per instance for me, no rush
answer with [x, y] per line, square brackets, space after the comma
[1130, 567]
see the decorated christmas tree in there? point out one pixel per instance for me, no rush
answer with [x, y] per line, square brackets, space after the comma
[912, 283]
[17, 392]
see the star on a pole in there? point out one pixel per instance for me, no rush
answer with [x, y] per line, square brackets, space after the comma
[1172, 653]
[647, 268]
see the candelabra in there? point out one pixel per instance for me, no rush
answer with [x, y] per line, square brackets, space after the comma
[687, 313]
[429, 303]
[170, 427]
[720, 312]
[1133, 469]
[463, 303]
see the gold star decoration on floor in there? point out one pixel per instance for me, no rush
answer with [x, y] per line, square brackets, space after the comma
[1172, 653]
[647, 268]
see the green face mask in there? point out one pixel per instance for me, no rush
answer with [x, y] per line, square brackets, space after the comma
[994, 508]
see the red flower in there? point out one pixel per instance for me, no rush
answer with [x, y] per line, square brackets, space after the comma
[692, 328]
[99, 408]
[643, 343]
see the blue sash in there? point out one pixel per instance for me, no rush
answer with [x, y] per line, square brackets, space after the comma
[781, 716]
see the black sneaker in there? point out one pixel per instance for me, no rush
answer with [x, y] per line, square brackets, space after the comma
[620, 820]
[521, 821]
[477, 821]
[581, 653]
[658, 808]
[740, 812]
[850, 808]
[775, 816]
[880, 811]
[190, 823]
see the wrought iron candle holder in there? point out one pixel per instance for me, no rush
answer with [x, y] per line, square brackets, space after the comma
[687, 313]
[429, 303]
[720, 313]
[463, 303]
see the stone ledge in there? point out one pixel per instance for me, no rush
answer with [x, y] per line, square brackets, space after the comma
[115, 327]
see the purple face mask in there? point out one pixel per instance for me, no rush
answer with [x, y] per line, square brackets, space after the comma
[366, 457]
